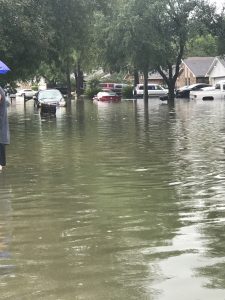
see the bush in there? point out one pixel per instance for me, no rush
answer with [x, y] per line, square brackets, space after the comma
[90, 92]
[35, 87]
[127, 92]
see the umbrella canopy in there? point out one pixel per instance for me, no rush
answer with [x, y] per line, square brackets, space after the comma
[3, 68]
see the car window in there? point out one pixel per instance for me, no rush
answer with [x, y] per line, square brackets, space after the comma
[223, 86]
[217, 86]
[118, 86]
[49, 94]
[151, 87]
[158, 87]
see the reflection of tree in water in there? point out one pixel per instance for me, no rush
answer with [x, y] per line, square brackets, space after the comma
[139, 224]
[200, 170]
[5, 233]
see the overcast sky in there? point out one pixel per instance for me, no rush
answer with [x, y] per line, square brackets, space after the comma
[218, 3]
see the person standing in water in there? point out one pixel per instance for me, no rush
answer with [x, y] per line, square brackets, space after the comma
[4, 128]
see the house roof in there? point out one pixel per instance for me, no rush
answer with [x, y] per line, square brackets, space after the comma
[216, 59]
[222, 60]
[199, 66]
[154, 75]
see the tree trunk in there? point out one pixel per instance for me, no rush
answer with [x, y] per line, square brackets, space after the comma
[79, 77]
[146, 86]
[171, 96]
[68, 80]
[136, 77]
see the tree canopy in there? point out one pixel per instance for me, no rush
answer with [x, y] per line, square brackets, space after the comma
[52, 38]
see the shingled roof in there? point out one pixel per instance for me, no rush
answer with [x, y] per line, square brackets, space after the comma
[199, 66]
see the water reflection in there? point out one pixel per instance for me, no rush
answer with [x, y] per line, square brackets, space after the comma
[6, 265]
[114, 202]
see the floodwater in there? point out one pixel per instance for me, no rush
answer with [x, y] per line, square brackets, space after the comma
[114, 201]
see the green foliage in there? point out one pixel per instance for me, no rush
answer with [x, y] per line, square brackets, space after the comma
[93, 83]
[127, 92]
[90, 92]
[205, 45]
[35, 87]
[49, 38]
[92, 88]
[23, 37]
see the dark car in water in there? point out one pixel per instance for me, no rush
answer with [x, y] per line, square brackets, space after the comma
[48, 100]
[184, 92]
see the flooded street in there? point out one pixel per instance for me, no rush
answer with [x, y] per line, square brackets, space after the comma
[111, 201]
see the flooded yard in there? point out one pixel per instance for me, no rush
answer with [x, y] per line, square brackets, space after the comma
[114, 201]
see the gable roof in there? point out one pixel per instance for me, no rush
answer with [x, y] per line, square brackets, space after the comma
[199, 66]
[216, 59]
[222, 60]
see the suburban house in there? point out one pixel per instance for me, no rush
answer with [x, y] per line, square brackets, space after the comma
[153, 77]
[216, 71]
[194, 70]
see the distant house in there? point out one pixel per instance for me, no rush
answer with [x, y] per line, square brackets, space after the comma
[216, 71]
[153, 77]
[194, 70]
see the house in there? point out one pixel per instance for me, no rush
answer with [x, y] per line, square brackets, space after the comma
[153, 77]
[216, 71]
[194, 70]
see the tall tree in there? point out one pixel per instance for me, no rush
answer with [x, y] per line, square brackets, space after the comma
[152, 35]
[23, 36]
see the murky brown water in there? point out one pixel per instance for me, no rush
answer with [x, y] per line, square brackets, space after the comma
[114, 202]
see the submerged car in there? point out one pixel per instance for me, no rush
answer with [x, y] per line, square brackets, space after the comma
[48, 100]
[216, 92]
[26, 93]
[107, 96]
[154, 90]
[184, 92]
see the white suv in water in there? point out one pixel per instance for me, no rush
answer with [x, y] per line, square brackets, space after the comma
[154, 90]
[26, 93]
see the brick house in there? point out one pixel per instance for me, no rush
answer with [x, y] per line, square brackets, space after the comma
[194, 70]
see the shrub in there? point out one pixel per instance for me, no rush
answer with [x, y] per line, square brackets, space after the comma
[127, 92]
[90, 92]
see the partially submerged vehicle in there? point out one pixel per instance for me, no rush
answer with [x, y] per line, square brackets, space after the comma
[216, 92]
[154, 90]
[107, 96]
[48, 100]
[184, 91]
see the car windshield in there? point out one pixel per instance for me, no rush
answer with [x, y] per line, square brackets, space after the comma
[50, 95]
[107, 94]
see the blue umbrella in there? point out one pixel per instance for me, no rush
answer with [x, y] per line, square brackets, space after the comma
[3, 68]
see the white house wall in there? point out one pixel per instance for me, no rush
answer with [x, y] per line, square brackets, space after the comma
[217, 73]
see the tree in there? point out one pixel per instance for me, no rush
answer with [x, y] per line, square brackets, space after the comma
[151, 35]
[173, 26]
[23, 41]
[202, 45]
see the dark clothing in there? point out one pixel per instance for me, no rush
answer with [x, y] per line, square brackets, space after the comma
[2, 155]
[4, 125]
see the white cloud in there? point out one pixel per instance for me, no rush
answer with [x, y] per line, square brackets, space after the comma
[219, 3]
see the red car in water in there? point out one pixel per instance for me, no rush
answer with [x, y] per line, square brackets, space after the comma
[107, 96]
